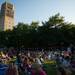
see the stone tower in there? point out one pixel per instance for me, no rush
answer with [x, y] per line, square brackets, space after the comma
[7, 16]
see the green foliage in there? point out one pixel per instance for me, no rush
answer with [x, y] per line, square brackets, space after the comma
[54, 21]
[52, 32]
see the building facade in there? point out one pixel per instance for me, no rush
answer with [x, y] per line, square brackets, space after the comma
[7, 16]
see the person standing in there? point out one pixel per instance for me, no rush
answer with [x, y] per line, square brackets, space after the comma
[12, 69]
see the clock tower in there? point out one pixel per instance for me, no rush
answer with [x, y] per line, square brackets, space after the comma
[7, 16]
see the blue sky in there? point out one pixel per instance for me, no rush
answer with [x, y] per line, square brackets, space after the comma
[40, 10]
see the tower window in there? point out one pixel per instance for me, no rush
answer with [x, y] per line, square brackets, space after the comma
[10, 8]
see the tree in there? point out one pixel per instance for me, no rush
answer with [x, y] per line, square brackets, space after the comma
[54, 21]
[34, 25]
[52, 32]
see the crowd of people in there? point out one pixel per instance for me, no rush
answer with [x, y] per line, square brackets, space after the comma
[31, 62]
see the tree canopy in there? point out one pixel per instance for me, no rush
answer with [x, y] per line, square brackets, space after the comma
[52, 32]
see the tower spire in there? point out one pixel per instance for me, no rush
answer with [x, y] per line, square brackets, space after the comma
[8, 1]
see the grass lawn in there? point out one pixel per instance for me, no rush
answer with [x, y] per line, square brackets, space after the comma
[50, 69]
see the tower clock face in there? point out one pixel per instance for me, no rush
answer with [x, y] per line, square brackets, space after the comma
[9, 11]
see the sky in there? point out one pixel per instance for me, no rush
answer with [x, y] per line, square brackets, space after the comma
[40, 10]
